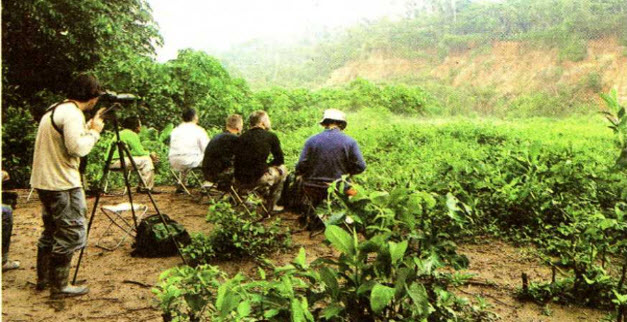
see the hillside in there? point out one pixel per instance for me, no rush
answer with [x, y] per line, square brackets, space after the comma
[508, 67]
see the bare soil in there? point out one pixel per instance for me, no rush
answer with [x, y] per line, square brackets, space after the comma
[508, 67]
[120, 285]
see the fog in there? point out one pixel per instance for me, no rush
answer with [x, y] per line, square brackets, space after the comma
[217, 25]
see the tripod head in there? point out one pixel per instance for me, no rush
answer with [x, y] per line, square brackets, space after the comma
[119, 98]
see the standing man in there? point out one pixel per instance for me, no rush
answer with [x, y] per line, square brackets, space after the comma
[327, 156]
[217, 165]
[62, 138]
[9, 200]
[251, 166]
[187, 146]
[143, 158]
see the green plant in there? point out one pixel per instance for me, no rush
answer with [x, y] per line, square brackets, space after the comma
[393, 285]
[236, 235]
[18, 142]
[617, 118]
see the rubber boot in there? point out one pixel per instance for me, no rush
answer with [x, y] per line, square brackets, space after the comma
[43, 267]
[59, 274]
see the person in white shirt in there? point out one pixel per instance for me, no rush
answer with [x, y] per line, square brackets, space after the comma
[62, 138]
[187, 145]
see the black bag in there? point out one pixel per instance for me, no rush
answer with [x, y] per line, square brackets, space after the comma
[153, 240]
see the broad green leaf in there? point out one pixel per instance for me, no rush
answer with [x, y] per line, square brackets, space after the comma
[243, 309]
[379, 197]
[329, 278]
[262, 273]
[366, 287]
[419, 297]
[620, 298]
[271, 313]
[298, 314]
[397, 250]
[380, 297]
[227, 300]
[331, 311]
[340, 239]
[301, 259]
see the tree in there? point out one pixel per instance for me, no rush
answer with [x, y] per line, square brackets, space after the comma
[45, 43]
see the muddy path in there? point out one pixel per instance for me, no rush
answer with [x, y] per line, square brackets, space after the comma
[120, 285]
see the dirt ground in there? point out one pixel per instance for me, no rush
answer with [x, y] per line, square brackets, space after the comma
[120, 285]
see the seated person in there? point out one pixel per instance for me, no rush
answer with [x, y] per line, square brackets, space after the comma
[251, 166]
[217, 165]
[187, 145]
[327, 156]
[143, 158]
[8, 203]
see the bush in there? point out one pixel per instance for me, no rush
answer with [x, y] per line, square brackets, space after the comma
[152, 140]
[573, 49]
[18, 142]
[236, 235]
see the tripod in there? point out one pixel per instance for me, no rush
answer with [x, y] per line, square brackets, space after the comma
[123, 153]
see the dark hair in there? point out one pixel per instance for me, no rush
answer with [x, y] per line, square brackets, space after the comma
[131, 122]
[83, 88]
[189, 114]
[328, 122]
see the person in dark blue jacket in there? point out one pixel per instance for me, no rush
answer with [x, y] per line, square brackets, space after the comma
[327, 156]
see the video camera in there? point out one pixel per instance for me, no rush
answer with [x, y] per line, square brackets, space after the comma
[119, 98]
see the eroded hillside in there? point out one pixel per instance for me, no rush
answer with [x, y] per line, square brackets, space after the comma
[508, 67]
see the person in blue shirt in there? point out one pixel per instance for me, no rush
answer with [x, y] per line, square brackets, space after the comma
[327, 156]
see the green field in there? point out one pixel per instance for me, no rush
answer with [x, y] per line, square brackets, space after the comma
[430, 183]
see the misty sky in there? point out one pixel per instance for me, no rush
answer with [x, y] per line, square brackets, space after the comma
[216, 25]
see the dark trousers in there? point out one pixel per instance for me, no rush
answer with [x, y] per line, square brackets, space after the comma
[63, 216]
[314, 195]
[7, 229]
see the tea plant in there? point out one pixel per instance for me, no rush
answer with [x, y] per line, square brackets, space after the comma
[236, 235]
[389, 274]
[373, 280]
[587, 242]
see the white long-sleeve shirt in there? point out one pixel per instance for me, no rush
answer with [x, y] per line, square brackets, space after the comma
[187, 145]
[56, 157]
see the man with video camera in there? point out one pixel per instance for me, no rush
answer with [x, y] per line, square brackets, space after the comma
[62, 138]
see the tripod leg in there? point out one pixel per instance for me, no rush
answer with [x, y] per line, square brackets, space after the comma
[154, 204]
[103, 180]
[123, 152]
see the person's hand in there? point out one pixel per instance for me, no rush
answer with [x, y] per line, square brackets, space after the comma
[5, 176]
[96, 123]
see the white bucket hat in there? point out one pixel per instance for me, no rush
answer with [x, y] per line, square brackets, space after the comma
[333, 114]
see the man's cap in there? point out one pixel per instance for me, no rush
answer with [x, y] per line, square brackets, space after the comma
[334, 115]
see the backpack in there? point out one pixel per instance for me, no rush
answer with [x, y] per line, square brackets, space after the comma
[152, 239]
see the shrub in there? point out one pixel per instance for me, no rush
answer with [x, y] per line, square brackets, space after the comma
[236, 235]
[18, 143]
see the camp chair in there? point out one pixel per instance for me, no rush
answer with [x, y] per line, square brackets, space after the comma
[180, 181]
[240, 191]
[116, 214]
